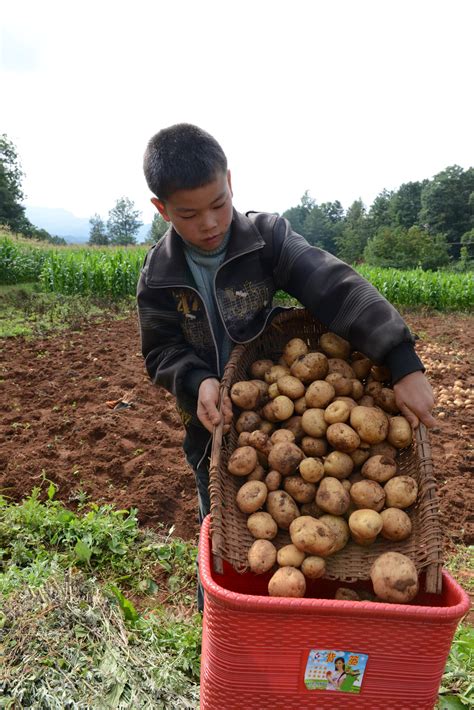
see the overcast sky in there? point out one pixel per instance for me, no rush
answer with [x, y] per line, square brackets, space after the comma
[339, 97]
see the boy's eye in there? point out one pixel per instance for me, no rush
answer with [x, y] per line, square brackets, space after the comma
[218, 207]
[188, 217]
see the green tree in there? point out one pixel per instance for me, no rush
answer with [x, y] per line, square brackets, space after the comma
[380, 213]
[158, 228]
[98, 234]
[123, 223]
[401, 248]
[350, 243]
[446, 205]
[406, 204]
[12, 212]
[297, 215]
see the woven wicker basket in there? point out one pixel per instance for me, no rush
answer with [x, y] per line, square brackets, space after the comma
[230, 536]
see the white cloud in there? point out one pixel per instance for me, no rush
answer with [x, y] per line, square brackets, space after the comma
[337, 97]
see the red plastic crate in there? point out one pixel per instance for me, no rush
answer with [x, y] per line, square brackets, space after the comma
[255, 647]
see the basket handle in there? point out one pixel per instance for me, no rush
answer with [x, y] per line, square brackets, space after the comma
[217, 435]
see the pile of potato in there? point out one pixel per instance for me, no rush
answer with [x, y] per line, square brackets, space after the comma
[319, 434]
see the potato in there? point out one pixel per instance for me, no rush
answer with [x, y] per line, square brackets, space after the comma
[368, 494]
[366, 401]
[346, 595]
[291, 387]
[313, 566]
[337, 412]
[332, 497]
[312, 536]
[394, 578]
[273, 480]
[365, 525]
[342, 437]
[242, 461]
[251, 496]
[300, 490]
[268, 413]
[313, 423]
[311, 509]
[361, 367]
[342, 386]
[300, 405]
[340, 528]
[310, 367]
[258, 474]
[263, 388]
[396, 524]
[346, 484]
[243, 439]
[380, 373]
[262, 526]
[262, 556]
[357, 389]
[245, 395]
[267, 427]
[282, 508]
[351, 403]
[370, 424]
[335, 364]
[386, 400]
[333, 345]
[259, 368]
[283, 408]
[359, 457]
[319, 394]
[314, 447]
[294, 425]
[399, 432]
[372, 388]
[379, 468]
[401, 492]
[290, 556]
[338, 465]
[273, 390]
[282, 435]
[260, 441]
[294, 349]
[287, 582]
[312, 470]
[248, 421]
[285, 457]
[275, 372]
[383, 449]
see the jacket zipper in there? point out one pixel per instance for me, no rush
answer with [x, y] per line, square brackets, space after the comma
[240, 342]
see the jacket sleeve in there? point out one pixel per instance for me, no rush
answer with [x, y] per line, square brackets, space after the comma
[170, 361]
[343, 300]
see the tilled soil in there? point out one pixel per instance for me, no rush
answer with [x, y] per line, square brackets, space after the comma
[57, 423]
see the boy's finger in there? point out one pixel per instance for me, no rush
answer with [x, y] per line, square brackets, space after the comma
[408, 414]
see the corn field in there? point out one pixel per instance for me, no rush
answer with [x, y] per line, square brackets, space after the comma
[114, 272]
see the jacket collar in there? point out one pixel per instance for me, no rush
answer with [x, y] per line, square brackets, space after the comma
[168, 267]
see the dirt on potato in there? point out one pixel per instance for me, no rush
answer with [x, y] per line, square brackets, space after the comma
[58, 422]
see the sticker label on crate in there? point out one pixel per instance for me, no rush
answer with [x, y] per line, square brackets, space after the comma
[339, 671]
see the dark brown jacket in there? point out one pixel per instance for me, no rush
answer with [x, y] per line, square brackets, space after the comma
[263, 256]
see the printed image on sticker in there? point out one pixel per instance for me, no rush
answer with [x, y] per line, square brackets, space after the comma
[340, 671]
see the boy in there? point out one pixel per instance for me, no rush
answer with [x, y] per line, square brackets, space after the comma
[208, 284]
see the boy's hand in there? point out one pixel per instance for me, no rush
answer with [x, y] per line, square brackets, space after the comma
[415, 400]
[208, 399]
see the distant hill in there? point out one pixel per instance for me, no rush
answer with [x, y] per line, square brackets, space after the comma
[62, 223]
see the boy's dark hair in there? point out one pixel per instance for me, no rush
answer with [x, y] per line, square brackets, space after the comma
[182, 157]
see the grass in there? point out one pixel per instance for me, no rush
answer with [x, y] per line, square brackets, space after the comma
[95, 612]
[27, 311]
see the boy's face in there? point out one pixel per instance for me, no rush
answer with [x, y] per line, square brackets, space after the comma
[201, 216]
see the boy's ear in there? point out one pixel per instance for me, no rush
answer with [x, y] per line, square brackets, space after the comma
[161, 207]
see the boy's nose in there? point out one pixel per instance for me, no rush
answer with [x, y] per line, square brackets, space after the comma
[208, 222]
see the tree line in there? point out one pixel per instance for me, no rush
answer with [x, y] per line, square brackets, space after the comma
[427, 224]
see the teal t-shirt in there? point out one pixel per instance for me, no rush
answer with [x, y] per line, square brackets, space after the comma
[203, 265]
